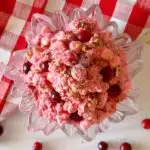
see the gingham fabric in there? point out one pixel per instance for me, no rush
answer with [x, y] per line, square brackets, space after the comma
[15, 17]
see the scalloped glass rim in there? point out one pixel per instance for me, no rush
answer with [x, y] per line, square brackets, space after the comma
[58, 20]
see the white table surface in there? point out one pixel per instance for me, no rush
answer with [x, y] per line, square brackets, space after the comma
[16, 136]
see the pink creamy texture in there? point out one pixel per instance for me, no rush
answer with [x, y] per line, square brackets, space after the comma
[77, 75]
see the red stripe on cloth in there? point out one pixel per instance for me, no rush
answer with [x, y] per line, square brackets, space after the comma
[6, 9]
[3, 21]
[75, 2]
[2, 103]
[137, 21]
[107, 7]
[21, 43]
[7, 6]
[139, 16]
[3, 100]
[133, 30]
[144, 4]
[148, 23]
[38, 7]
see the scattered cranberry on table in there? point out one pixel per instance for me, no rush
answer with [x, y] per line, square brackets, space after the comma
[102, 145]
[37, 146]
[146, 123]
[125, 146]
[1, 130]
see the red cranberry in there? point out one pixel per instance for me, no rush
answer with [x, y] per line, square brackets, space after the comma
[55, 96]
[44, 66]
[107, 73]
[66, 42]
[125, 146]
[1, 130]
[84, 35]
[114, 91]
[37, 146]
[76, 117]
[48, 84]
[26, 67]
[146, 123]
[102, 145]
[31, 87]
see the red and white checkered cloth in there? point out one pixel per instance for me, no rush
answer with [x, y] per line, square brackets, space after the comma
[15, 17]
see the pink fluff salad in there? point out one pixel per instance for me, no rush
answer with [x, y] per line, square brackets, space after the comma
[76, 75]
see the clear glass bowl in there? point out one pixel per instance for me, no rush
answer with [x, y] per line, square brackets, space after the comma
[58, 20]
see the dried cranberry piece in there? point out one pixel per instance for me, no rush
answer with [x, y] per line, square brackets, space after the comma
[26, 67]
[31, 87]
[75, 117]
[114, 91]
[107, 73]
[44, 66]
[55, 96]
[66, 43]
